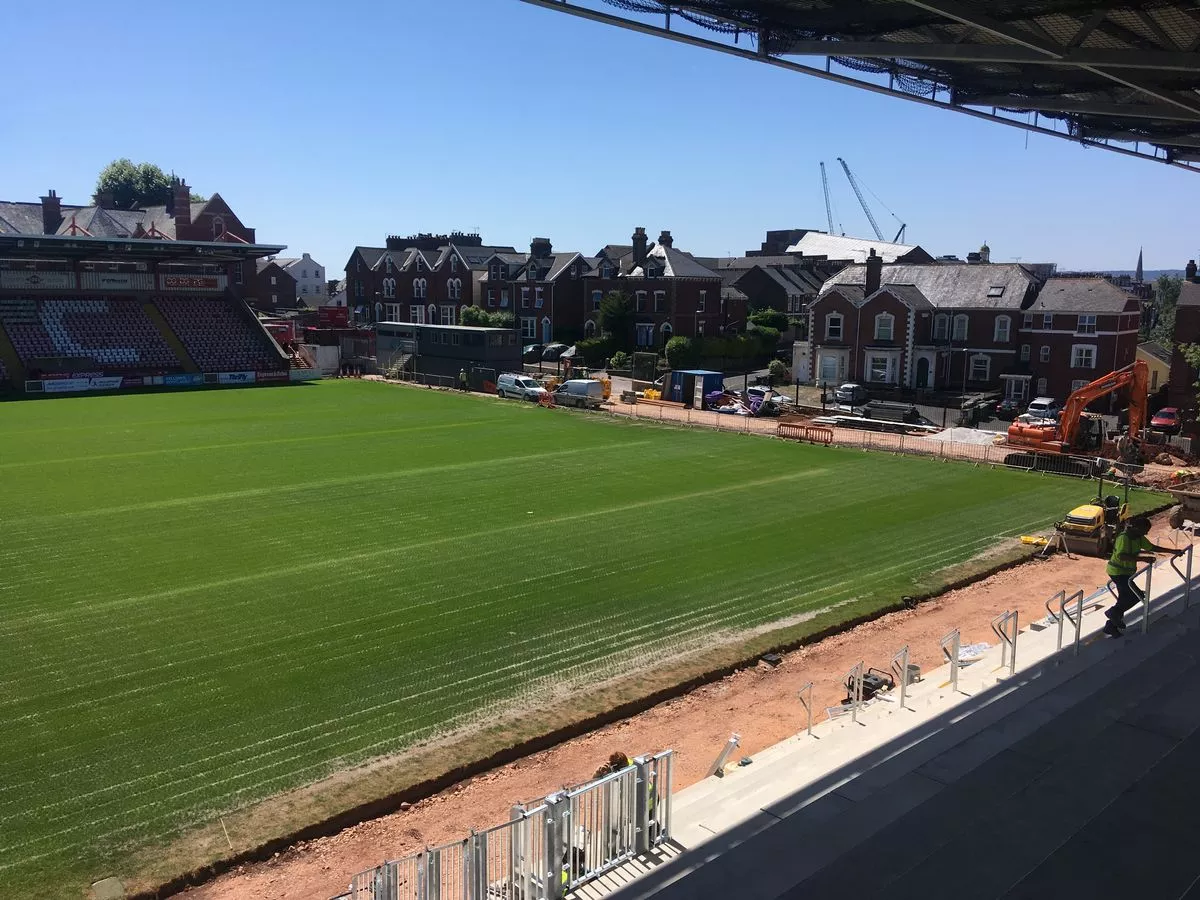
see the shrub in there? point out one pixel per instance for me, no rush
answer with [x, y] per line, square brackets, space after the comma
[682, 353]
[619, 360]
[768, 338]
[778, 371]
[769, 318]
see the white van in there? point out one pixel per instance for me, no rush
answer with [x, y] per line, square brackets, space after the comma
[580, 392]
[518, 387]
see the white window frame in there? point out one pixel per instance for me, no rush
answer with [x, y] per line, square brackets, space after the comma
[889, 368]
[524, 297]
[701, 301]
[1002, 333]
[1043, 356]
[1026, 352]
[538, 299]
[964, 320]
[1042, 386]
[1077, 383]
[660, 301]
[987, 367]
[841, 326]
[392, 311]
[529, 327]
[640, 301]
[890, 320]
[646, 330]
[941, 327]
[1047, 321]
[1027, 320]
[1085, 327]
[416, 314]
[491, 297]
[453, 263]
[1077, 350]
[446, 315]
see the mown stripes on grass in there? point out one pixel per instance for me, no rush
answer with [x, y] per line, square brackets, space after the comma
[209, 597]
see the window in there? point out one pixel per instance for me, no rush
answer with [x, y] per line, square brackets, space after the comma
[447, 315]
[833, 327]
[491, 297]
[884, 323]
[879, 369]
[418, 288]
[660, 301]
[607, 271]
[667, 332]
[960, 327]
[597, 297]
[387, 264]
[641, 301]
[941, 327]
[528, 327]
[981, 367]
[392, 311]
[1041, 388]
[645, 334]
[273, 281]
[304, 288]
[274, 299]
[416, 314]
[504, 298]
[1077, 384]
[1043, 356]
[524, 298]
[1003, 327]
[451, 292]
[1083, 356]
[389, 287]
[304, 273]
[1086, 325]
[1047, 320]
[358, 290]
[455, 339]
[419, 260]
[1025, 348]
[701, 301]
[537, 298]
[453, 263]
[532, 273]
[589, 329]
[218, 227]
[996, 290]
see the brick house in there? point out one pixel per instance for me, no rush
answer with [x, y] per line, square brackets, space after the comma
[421, 278]
[274, 287]
[963, 327]
[1181, 388]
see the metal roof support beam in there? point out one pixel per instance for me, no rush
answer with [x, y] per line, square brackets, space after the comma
[994, 53]
[1082, 107]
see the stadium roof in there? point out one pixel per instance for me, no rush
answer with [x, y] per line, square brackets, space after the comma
[58, 246]
[1111, 73]
[837, 246]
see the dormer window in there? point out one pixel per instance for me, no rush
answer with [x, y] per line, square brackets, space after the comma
[418, 262]
[453, 263]
[532, 273]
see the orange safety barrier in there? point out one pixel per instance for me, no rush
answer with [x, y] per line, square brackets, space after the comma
[812, 433]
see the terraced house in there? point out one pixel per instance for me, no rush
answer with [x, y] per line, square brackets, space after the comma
[970, 327]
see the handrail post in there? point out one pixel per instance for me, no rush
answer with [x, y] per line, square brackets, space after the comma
[1008, 642]
[718, 766]
[953, 639]
[900, 667]
[1186, 576]
[1077, 620]
[1057, 616]
[854, 681]
[1149, 570]
[806, 701]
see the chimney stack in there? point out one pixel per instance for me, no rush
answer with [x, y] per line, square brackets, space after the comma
[874, 272]
[104, 200]
[540, 248]
[1189, 272]
[181, 196]
[665, 239]
[52, 213]
[639, 246]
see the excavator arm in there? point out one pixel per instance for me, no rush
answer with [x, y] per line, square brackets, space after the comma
[1134, 376]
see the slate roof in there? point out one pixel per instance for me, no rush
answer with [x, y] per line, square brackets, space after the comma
[909, 294]
[836, 246]
[855, 293]
[615, 251]
[675, 264]
[1189, 293]
[716, 263]
[1157, 350]
[371, 255]
[953, 286]
[1083, 295]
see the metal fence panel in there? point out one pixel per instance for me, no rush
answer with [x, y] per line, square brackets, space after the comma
[396, 880]
[600, 826]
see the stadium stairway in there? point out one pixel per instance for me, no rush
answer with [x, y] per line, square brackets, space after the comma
[10, 359]
[1074, 776]
[172, 339]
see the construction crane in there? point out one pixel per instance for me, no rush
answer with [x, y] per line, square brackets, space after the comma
[862, 201]
[828, 205]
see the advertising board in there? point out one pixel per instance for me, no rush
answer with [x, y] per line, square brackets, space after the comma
[235, 378]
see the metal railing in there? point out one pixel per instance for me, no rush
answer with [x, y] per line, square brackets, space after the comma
[1185, 575]
[1006, 628]
[541, 853]
[854, 689]
[899, 668]
[805, 694]
[951, 647]
[1065, 615]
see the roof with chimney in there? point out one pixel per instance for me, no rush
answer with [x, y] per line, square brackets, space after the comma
[1001, 286]
[836, 246]
[1083, 295]
[1189, 293]
[673, 264]
[909, 295]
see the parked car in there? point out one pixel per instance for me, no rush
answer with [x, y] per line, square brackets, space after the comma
[1043, 408]
[1008, 409]
[851, 394]
[552, 352]
[1166, 420]
[532, 352]
[518, 387]
[580, 392]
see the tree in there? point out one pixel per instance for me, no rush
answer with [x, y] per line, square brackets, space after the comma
[616, 318]
[769, 318]
[136, 184]
[778, 371]
[481, 318]
[1159, 325]
[682, 353]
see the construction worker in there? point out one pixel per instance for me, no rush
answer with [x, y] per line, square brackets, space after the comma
[462, 379]
[1121, 568]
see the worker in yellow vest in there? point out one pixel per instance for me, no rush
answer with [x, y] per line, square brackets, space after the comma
[1122, 566]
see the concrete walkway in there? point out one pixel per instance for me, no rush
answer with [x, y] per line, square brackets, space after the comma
[1074, 776]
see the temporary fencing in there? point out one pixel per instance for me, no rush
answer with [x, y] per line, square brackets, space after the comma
[541, 853]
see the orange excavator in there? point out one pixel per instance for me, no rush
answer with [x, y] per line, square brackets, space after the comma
[1068, 435]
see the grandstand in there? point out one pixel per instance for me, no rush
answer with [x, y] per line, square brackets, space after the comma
[82, 313]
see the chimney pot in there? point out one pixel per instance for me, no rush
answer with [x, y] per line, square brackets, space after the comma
[874, 272]
[665, 239]
[639, 246]
[182, 211]
[1190, 271]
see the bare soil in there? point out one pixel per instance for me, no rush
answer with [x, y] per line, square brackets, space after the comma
[759, 703]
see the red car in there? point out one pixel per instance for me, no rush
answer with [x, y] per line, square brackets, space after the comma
[1166, 420]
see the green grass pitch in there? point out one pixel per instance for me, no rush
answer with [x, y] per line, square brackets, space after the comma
[207, 598]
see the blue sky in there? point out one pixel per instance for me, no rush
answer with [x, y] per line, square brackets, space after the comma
[328, 125]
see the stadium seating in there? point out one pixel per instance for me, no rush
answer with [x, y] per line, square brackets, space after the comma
[218, 336]
[115, 334]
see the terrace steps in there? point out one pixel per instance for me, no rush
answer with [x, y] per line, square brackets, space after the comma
[10, 358]
[172, 339]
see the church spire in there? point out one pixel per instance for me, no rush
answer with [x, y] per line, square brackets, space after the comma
[1138, 275]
